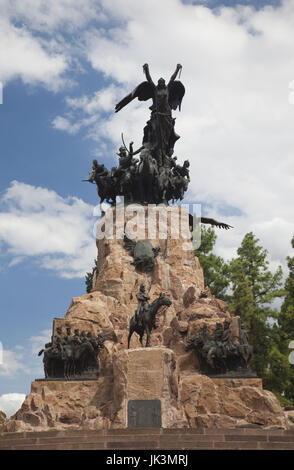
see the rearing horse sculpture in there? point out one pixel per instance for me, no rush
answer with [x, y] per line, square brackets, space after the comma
[148, 320]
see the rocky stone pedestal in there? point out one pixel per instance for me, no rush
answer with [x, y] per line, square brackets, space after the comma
[147, 374]
[188, 400]
[164, 372]
[229, 403]
[62, 404]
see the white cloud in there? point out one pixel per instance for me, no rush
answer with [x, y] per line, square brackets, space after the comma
[63, 124]
[25, 56]
[23, 361]
[55, 232]
[42, 15]
[38, 342]
[34, 44]
[11, 363]
[93, 109]
[11, 402]
[102, 101]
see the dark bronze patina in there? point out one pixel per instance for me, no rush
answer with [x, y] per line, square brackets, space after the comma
[144, 414]
[220, 354]
[143, 321]
[72, 356]
[143, 253]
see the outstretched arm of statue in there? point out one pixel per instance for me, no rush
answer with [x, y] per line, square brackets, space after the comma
[147, 73]
[138, 151]
[174, 75]
[131, 149]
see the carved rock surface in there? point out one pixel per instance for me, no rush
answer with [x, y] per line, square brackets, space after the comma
[223, 403]
[290, 416]
[175, 268]
[2, 417]
[63, 405]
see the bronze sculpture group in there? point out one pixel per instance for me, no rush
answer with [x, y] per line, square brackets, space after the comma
[76, 356]
[154, 177]
[144, 319]
[72, 356]
[220, 353]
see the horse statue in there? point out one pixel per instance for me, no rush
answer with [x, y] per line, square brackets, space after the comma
[52, 360]
[77, 358]
[147, 323]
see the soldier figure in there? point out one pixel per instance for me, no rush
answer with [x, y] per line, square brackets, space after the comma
[173, 162]
[181, 170]
[218, 337]
[126, 170]
[97, 170]
[67, 339]
[57, 337]
[76, 339]
[57, 342]
[142, 304]
[180, 179]
[228, 345]
[205, 336]
[83, 337]
[91, 340]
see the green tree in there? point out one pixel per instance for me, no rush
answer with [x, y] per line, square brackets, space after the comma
[254, 288]
[215, 269]
[281, 376]
[89, 278]
[286, 316]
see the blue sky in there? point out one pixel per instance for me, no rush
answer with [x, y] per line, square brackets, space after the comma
[63, 65]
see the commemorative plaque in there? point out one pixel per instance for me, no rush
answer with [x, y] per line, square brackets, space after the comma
[144, 414]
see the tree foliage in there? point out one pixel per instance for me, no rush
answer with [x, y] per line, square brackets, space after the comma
[89, 278]
[250, 288]
[215, 269]
[254, 288]
[281, 372]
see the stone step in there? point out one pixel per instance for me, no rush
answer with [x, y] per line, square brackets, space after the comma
[149, 439]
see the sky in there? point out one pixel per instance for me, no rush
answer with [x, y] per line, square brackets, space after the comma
[64, 64]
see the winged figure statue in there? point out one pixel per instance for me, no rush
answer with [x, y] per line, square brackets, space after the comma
[159, 133]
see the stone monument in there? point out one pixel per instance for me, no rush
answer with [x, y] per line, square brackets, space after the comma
[149, 346]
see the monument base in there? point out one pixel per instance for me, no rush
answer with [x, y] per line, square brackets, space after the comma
[149, 375]
[62, 379]
[228, 402]
[145, 387]
[235, 382]
[62, 404]
[233, 375]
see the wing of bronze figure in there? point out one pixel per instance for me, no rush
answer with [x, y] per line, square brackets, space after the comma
[143, 92]
[176, 94]
[205, 220]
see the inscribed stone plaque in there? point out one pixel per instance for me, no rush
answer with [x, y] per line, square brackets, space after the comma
[144, 414]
